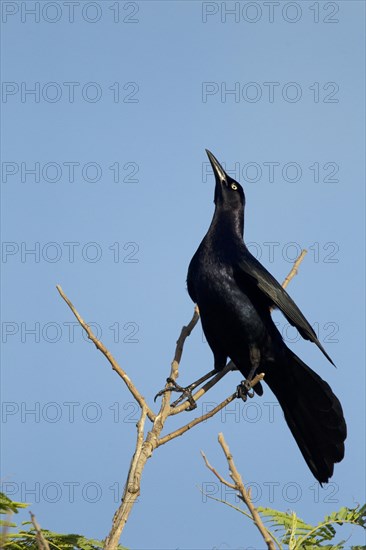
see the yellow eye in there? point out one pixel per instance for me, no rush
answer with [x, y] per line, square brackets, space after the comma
[234, 187]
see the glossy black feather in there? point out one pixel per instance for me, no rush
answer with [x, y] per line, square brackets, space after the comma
[249, 267]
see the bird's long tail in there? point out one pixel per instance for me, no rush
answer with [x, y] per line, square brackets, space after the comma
[312, 412]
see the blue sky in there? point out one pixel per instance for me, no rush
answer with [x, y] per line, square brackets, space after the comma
[105, 179]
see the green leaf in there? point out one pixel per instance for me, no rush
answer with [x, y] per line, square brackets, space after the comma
[7, 505]
[26, 540]
[299, 535]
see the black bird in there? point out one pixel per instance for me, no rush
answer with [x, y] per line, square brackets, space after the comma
[235, 293]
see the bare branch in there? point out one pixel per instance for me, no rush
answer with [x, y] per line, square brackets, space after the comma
[216, 473]
[41, 541]
[134, 463]
[201, 392]
[295, 268]
[165, 408]
[239, 485]
[226, 503]
[145, 447]
[185, 332]
[198, 420]
[132, 487]
[115, 366]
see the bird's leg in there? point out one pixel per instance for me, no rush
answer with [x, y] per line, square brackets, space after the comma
[243, 390]
[186, 392]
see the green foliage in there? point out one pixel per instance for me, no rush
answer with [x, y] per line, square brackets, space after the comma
[7, 506]
[298, 535]
[292, 533]
[26, 539]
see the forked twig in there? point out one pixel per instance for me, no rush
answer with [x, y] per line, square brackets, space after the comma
[115, 366]
[243, 492]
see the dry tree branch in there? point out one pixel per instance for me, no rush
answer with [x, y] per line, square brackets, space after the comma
[174, 367]
[243, 492]
[40, 539]
[201, 392]
[226, 503]
[216, 473]
[115, 366]
[294, 269]
[146, 446]
[185, 332]
[183, 429]
[131, 490]
[236, 477]
[180, 431]
[144, 449]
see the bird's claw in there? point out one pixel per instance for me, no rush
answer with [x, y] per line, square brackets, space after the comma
[186, 394]
[164, 390]
[243, 391]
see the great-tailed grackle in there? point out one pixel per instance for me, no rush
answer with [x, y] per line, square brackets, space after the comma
[235, 293]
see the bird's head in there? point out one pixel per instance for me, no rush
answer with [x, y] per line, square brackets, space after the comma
[228, 192]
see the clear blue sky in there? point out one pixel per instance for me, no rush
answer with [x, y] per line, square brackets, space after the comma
[126, 97]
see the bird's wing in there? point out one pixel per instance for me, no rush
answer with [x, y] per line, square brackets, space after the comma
[248, 268]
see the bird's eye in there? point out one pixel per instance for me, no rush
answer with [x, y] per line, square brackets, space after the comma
[234, 187]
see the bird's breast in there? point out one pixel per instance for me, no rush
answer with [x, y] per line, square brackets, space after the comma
[234, 319]
[222, 301]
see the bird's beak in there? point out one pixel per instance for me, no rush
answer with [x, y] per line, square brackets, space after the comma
[220, 174]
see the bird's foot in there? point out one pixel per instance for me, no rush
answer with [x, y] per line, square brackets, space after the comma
[186, 394]
[243, 391]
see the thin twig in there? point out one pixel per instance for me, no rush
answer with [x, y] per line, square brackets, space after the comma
[185, 332]
[41, 541]
[293, 271]
[115, 366]
[201, 392]
[239, 485]
[226, 503]
[216, 473]
[198, 420]
[165, 408]
[295, 268]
